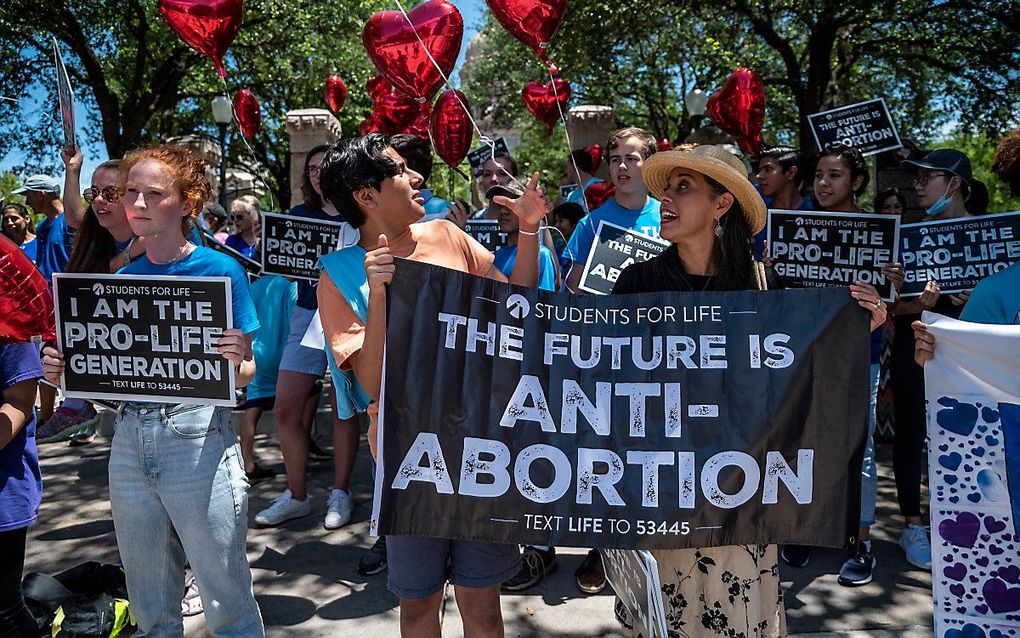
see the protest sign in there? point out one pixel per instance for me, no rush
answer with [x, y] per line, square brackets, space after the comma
[654, 421]
[291, 246]
[615, 248]
[957, 253]
[486, 232]
[634, 576]
[250, 266]
[866, 126]
[477, 157]
[833, 249]
[566, 190]
[65, 98]
[144, 338]
[970, 386]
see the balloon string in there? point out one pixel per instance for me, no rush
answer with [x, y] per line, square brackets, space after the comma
[482, 138]
[258, 165]
[570, 146]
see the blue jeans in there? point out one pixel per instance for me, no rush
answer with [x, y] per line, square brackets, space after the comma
[869, 469]
[179, 493]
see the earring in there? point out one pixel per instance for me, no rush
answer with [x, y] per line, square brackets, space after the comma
[718, 229]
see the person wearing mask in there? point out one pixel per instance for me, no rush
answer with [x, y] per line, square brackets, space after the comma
[18, 225]
[710, 213]
[890, 201]
[177, 488]
[245, 215]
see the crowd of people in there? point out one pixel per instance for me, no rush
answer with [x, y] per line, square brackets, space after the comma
[179, 474]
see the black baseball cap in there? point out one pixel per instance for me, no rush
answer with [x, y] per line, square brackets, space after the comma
[945, 159]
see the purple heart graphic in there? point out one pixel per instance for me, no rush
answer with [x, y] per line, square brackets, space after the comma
[973, 579]
[954, 499]
[968, 468]
[991, 440]
[982, 561]
[951, 461]
[981, 609]
[1000, 597]
[994, 525]
[974, 497]
[955, 572]
[995, 550]
[982, 428]
[1010, 574]
[943, 447]
[990, 415]
[986, 537]
[978, 451]
[970, 630]
[961, 531]
[958, 590]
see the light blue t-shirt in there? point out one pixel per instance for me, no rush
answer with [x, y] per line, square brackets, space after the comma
[644, 221]
[577, 196]
[505, 257]
[53, 245]
[435, 207]
[274, 299]
[996, 299]
[206, 262]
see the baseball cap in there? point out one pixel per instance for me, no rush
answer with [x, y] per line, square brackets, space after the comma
[511, 189]
[945, 159]
[40, 182]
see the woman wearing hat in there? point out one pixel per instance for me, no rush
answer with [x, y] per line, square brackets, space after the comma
[710, 212]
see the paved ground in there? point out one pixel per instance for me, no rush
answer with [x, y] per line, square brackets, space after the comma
[307, 584]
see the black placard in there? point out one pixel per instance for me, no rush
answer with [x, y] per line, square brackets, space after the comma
[634, 576]
[957, 253]
[813, 249]
[486, 232]
[651, 421]
[291, 245]
[566, 190]
[477, 157]
[144, 338]
[65, 99]
[613, 249]
[252, 267]
[866, 126]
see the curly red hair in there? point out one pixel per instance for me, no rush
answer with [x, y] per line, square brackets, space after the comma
[186, 171]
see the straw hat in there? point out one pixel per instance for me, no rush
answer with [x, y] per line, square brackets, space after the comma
[713, 162]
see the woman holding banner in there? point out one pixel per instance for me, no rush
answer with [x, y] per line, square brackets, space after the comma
[710, 213]
[177, 488]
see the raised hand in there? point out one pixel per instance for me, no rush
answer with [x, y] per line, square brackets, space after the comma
[379, 267]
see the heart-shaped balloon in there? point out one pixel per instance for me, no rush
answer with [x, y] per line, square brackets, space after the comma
[664, 145]
[451, 127]
[247, 112]
[595, 151]
[597, 194]
[421, 123]
[377, 87]
[397, 52]
[533, 22]
[546, 100]
[738, 108]
[26, 305]
[335, 93]
[370, 124]
[208, 26]
[394, 112]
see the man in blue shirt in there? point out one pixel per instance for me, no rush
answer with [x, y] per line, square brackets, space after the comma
[579, 171]
[781, 176]
[630, 207]
[54, 235]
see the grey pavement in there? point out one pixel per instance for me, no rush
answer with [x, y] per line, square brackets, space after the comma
[307, 584]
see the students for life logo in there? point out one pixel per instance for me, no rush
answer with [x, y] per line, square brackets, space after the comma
[518, 306]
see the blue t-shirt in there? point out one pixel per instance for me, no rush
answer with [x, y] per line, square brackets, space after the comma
[505, 257]
[237, 243]
[644, 221]
[435, 207]
[306, 289]
[274, 298]
[577, 196]
[996, 299]
[54, 241]
[20, 478]
[206, 262]
[31, 248]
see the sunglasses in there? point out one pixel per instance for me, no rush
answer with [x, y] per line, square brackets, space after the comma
[111, 194]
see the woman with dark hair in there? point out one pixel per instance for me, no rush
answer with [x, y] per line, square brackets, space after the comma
[890, 201]
[710, 212]
[17, 224]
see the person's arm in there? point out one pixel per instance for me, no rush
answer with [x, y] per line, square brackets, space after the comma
[530, 209]
[235, 346]
[574, 278]
[368, 364]
[19, 401]
[74, 210]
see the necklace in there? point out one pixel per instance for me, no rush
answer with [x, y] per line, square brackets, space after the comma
[184, 253]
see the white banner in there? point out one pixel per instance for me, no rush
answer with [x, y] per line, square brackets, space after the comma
[975, 539]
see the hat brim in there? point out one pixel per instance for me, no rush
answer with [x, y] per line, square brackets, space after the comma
[657, 168]
[19, 191]
[915, 164]
[500, 189]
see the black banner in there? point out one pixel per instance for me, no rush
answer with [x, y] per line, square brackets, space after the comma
[486, 232]
[635, 421]
[144, 338]
[866, 126]
[291, 245]
[957, 253]
[477, 157]
[634, 576]
[833, 249]
[615, 248]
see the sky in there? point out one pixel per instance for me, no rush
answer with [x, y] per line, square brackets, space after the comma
[473, 12]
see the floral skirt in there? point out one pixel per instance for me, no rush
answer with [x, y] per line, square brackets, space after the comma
[729, 591]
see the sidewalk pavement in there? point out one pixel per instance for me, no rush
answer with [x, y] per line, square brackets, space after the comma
[307, 584]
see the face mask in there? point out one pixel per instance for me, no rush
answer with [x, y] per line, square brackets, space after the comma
[940, 205]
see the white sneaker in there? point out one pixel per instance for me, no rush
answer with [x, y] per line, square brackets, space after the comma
[338, 509]
[283, 509]
[916, 546]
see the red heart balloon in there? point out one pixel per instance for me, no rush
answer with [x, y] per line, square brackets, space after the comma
[420, 125]
[394, 112]
[396, 51]
[377, 87]
[597, 194]
[451, 127]
[208, 26]
[738, 108]
[247, 112]
[664, 145]
[595, 150]
[545, 100]
[335, 93]
[26, 305]
[369, 125]
[533, 22]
